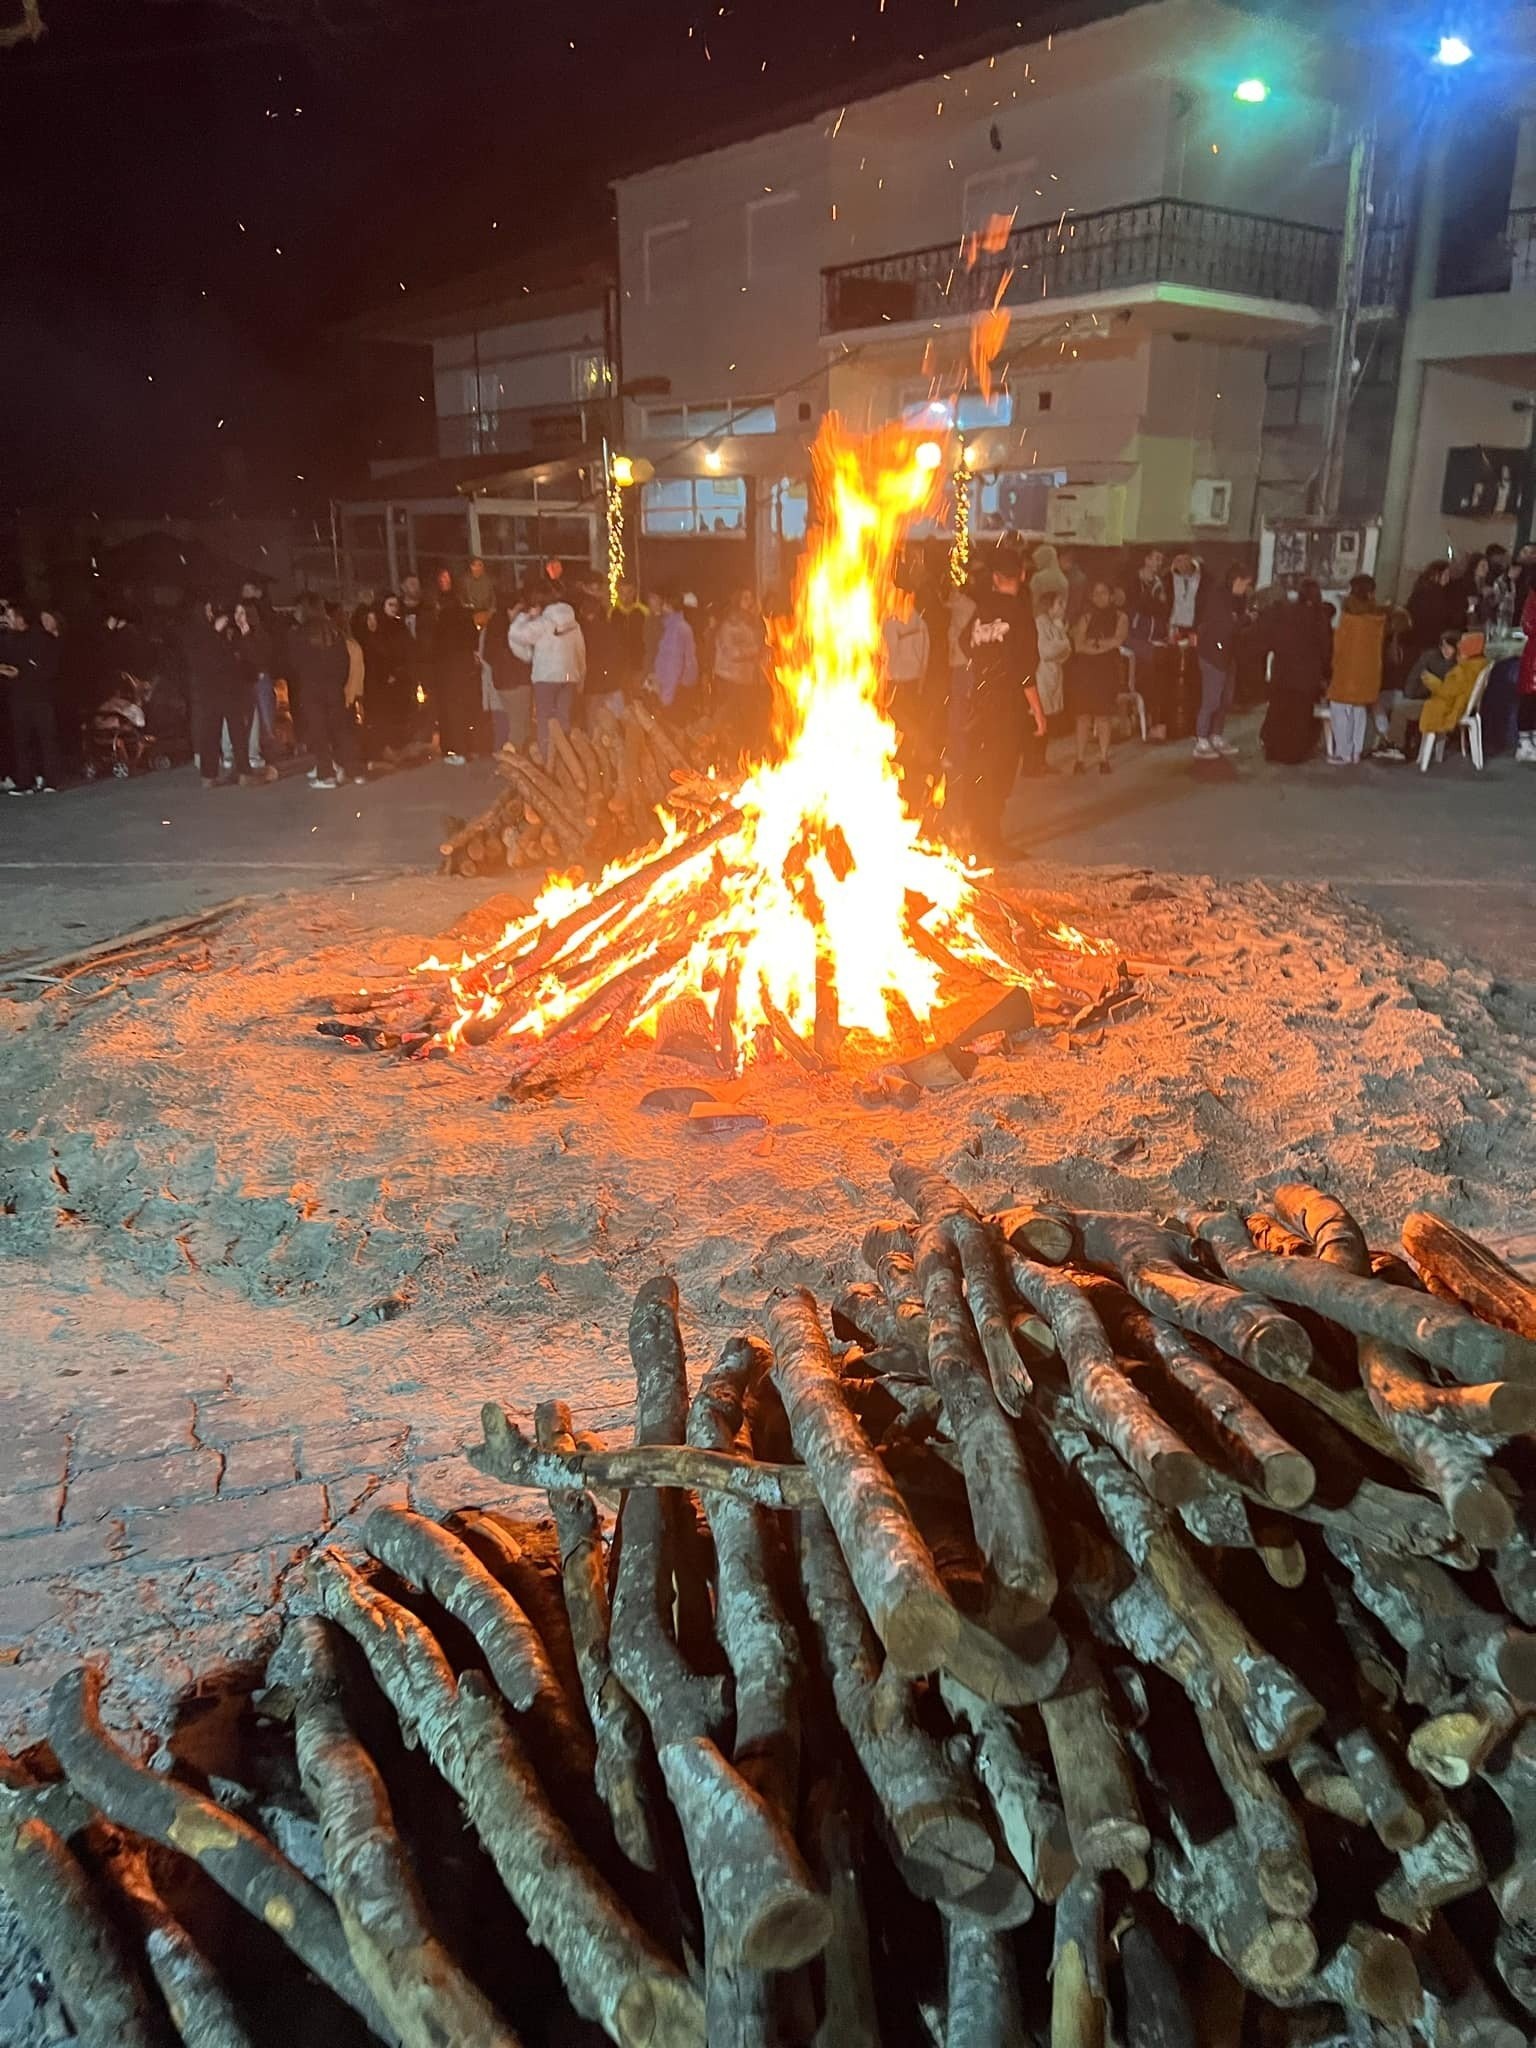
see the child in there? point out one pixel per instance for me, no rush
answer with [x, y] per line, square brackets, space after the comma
[1097, 672]
[1450, 694]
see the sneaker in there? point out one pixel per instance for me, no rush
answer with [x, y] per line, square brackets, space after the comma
[7, 784]
[1337, 761]
[1223, 745]
[322, 782]
[358, 781]
[259, 775]
[1389, 754]
[46, 789]
[456, 760]
[19, 792]
[1205, 750]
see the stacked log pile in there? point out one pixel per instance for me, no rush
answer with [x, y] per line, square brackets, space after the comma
[588, 795]
[1093, 1630]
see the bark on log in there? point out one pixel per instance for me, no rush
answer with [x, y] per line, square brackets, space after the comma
[990, 1308]
[864, 1313]
[1008, 1522]
[850, 2017]
[1145, 1261]
[1453, 1467]
[1458, 1268]
[1459, 2009]
[426, 1555]
[982, 2009]
[1332, 1233]
[1108, 1403]
[1265, 1818]
[1370, 1971]
[933, 1812]
[617, 1723]
[1079, 2001]
[1385, 1799]
[67, 1921]
[1469, 1350]
[1246, 1441]
[1444, 1634]
[1514, 1889]
[889, 1562]
[1038, 1232]
[239, 1859]
[890, 1234]
[1443, 1867]
[508, 1454]
[420, 1989]
[1276, 1707]
[1210, 1889]
[611, 1970]
[1098, 1789]
[1157, 2013]
[1022, 1792]
[201, 2009]
[760, 1645]
[1452, 1746]
[1324, 1783]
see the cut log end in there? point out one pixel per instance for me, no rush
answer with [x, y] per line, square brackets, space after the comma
[1481, 1512]
[953, 1849]
[1386, 1977]
[920, 1631]
[1279, 1958]
[1175, 1477]
[1515, 1663]
[789, 1928]
[656, 2013]
[1288, 1479]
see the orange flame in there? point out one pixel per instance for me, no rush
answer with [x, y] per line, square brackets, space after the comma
[826, 896]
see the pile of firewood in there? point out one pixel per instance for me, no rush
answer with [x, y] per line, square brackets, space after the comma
[588, 795]
[1106, 1631]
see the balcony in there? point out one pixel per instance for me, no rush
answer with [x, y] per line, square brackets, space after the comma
[1143, 249]
[1501, 258]
[520, 430]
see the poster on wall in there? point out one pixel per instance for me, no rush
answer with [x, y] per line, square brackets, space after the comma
[1484, 483]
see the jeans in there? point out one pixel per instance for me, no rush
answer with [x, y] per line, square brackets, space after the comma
[1350, 724]
[214, 705]
[1215, 699]
[552, 701]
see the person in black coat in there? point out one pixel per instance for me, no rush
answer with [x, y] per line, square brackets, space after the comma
[33, 656]
[1297, 635]
[317, 662]
[389, 687]
[222, 693]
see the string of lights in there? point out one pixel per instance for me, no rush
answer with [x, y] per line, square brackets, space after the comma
[960, 546]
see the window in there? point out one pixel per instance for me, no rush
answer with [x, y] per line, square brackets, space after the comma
[666, 260]
[1295, 386]
[1009, 191]
[791, 503]
[773, 238]
[729, 416]
[969, 412]
[590, 375]
[694, 505]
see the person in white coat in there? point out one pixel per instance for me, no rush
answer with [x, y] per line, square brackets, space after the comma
[550, 640]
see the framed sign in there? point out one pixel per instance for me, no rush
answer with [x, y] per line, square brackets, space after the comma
[1484, 483]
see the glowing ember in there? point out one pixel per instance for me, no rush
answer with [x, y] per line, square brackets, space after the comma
[813, 913]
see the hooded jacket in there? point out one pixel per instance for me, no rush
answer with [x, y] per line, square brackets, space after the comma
[551, 643]
[1359, 645]
[1049, 579]
[1450, 694]
[676, 666]
[906, 649]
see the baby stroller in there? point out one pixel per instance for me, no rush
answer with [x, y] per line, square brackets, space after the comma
[118, 739]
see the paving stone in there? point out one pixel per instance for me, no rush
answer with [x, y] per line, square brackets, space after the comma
[359, 1493]
[143, 1483]
[357, 1447]
[216, 1528]
[57, 1551]
[258, 1461]
[31, 1457]
[230, 1418]
[36, 1508]
[449, 1483]
[25, 1609]
[138, 1429]
[24, 1690]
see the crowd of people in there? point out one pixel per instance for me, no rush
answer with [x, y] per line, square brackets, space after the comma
[979, 676]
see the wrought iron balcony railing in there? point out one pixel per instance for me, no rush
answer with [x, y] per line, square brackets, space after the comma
[1156, 241]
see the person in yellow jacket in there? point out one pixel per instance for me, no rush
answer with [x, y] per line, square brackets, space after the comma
[1450, 694]
[1359, 645]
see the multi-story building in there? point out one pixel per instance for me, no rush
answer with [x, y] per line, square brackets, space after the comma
[516, 366]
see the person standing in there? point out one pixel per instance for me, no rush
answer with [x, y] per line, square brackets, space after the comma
[318, 659]
[550, 640]
[1222, 618]
[675, 669]
[221, 698]
[511, 684]
[603, 632]
[1049, 579]
[1096, 673]
[1150, 605]
[453, 662]
[477, 592]
[389, 684]
[1006, 727]
[1359, 646]
[1297, 637]
[1054, 638]
[742, 690]
[960, 611]
[33, 658]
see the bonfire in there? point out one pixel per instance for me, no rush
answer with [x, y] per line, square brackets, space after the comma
[815, 915]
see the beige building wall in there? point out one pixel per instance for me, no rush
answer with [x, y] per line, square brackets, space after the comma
[1458, 410]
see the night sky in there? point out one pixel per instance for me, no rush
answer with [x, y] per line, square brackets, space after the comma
[196, 190]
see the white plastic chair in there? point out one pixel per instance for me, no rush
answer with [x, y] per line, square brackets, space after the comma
[1131, 695]
[1470, 729]
[1327, 723]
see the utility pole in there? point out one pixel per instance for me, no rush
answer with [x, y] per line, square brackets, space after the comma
[1329, 481]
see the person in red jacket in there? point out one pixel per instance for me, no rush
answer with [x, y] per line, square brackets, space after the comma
[1526, 712]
